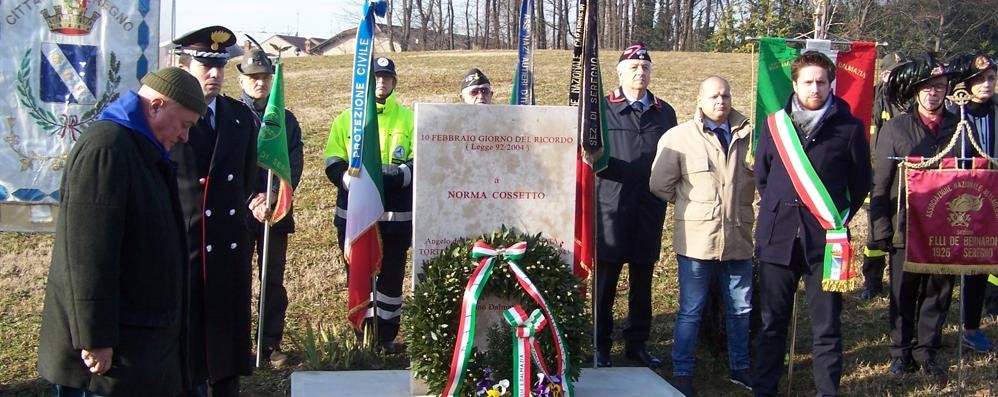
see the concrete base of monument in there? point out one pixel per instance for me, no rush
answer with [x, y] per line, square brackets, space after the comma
[617, 382]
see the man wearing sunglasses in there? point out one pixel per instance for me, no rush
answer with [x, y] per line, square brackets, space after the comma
[476, 89]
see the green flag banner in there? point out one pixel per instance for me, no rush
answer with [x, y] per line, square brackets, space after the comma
[272, 145]
[774, 86]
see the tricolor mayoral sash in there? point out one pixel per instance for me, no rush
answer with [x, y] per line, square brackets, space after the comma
[837, 272]
[952, 215]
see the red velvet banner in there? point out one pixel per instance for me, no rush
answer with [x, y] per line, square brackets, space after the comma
[854, 75]
[952, 218]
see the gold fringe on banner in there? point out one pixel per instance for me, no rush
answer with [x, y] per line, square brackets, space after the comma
[943, 268]
[838, 285]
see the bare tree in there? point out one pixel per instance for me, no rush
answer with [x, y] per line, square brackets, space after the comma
[539, 26]
[388, 18]
[423, 22]
[467, 24]
[561, 24]
[944, 26]
[438, 30]
[406, 23]
[663, 24]
[495, 24]
[450, 24]
[512, 14]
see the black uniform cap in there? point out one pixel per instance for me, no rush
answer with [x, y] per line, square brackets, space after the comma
[907, 78]
[966, 67]
[474, 77]
[891, 60]
[384, 65]
[207, 45]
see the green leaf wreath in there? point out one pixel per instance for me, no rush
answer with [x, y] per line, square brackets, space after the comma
[431, 319]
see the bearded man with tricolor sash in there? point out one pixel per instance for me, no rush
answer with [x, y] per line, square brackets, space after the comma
[812, 172]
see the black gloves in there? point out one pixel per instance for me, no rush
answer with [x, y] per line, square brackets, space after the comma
[880, 245]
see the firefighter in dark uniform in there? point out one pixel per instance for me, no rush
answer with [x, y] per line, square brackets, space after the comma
[919, 301]
[630, 217]
[216, 174]
[875, 261]
[256, 76]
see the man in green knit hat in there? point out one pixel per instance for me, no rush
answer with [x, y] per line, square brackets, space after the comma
[115, 314]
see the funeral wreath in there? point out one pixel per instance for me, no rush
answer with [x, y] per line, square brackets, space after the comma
[524, 268]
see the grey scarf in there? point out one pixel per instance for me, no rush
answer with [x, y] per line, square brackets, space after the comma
[805, 120]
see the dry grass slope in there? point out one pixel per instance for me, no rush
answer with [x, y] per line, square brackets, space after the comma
[317, 90]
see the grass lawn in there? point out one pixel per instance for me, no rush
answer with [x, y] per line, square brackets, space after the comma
[317, 90]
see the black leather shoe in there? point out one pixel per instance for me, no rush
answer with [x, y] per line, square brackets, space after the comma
[392, 348]
[684, 384]
[741, 377]
[901, 366]
[603, 360]
[644, 357]
[871, 290]
[931, 368]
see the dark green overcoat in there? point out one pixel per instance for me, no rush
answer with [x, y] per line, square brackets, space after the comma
[119, 274]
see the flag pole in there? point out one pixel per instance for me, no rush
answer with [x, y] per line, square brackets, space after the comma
[595, 276]
[793, 343]
[263, 270]
[843, 42]
[374, 310]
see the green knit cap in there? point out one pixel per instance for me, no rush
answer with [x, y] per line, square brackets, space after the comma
[178, 85]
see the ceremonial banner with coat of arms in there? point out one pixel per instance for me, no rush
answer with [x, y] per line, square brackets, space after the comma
[61, 63]
[952, 215]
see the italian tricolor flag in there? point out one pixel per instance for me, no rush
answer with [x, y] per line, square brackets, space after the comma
[366, 204]
[366, 195]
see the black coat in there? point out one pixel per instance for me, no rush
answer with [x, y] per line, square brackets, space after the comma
[902, 136]
[217, 178]
[629, 226]
[883, 110]
[296, 158]
[119, 271]
[840, 155]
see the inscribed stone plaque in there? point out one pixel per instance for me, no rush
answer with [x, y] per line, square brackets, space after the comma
[482, 166]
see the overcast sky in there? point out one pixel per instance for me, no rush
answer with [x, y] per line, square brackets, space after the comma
[307, 18]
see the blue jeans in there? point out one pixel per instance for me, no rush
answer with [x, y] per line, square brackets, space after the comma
[695, 276]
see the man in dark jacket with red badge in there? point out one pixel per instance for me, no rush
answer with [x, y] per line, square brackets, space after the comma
[630, 216]
[217, 178]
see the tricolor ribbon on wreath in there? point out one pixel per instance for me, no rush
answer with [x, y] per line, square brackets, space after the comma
[525, 328]
[468, 321]
[838, 274]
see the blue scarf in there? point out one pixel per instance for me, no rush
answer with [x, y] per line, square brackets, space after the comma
[127, 112]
